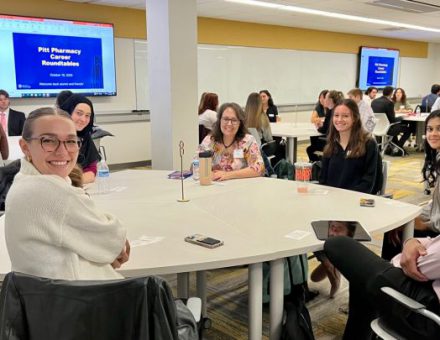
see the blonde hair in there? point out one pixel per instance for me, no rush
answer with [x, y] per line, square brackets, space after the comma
[255, 117]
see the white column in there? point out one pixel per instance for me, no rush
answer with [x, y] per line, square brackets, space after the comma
[172, 76]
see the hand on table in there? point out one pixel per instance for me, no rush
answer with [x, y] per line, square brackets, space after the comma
[219, 175]
[123, 256]
[412, 250]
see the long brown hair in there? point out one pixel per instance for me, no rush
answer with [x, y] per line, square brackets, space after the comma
[216, 132]
[255, 117]
[358, 136]
[209, 102]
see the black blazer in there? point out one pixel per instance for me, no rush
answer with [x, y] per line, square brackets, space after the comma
[15, 122]
[385, 105]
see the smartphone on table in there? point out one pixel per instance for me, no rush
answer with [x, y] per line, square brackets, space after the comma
[204, 241]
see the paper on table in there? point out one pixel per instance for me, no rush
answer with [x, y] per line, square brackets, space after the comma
[297, 234]
[145, 240]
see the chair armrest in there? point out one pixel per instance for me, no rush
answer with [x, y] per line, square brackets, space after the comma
[403, 299]
[194, 304]
[411, 304]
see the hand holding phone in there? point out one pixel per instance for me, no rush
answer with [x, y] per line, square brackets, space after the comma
[204, 241]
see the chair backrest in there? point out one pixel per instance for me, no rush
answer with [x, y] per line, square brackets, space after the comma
[37, 308]
[382, 124]
[270, 148]
[203, 132]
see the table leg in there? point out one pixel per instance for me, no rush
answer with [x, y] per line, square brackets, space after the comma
[420, 130]
[408, 231]
[276, 297]
[201, 290]
[291, 149]
[295, 149]
[255, 301]
[183, 285]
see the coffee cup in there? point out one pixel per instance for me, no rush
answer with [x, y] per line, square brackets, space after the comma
[205, 171]
[303, 175]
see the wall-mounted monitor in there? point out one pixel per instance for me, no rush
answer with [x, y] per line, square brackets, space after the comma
[40, 57]
[377, 67]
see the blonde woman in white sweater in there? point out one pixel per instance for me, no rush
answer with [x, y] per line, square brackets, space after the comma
[52, 228]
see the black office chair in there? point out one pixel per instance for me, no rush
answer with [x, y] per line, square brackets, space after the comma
[139, 308]
[203, 132]
[387, 331]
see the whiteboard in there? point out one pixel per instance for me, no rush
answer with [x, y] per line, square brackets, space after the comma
[292, 76]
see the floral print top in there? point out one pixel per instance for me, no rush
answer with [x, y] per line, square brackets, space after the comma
[224, 160]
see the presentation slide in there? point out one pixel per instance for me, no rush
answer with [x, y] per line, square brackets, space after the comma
[57, 62]
[380, 71]
[378, 67]
[40, 57]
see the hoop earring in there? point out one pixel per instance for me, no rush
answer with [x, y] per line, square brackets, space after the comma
[29, 159]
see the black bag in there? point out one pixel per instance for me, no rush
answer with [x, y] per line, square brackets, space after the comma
[297, 324]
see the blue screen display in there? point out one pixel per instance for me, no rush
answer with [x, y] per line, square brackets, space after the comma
[41, 57]
[378, 67]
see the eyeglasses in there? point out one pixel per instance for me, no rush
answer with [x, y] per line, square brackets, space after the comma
[232, 121]
[51, 144]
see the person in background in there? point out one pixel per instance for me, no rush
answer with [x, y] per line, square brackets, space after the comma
[81, 110]
[365, 110]
[208, 110]
[436, 105]
[317, 143]
[201, 100]
[371, 94]
[256, 118]
[4, 146]
[62, 96]
[11, 121]
[269, 107]
[235, 152]
[401, 105]
[332, 98]
[429, 100]
[385, 105]
[351, 154]
[318, 113]
[59, 233]
[349, 162]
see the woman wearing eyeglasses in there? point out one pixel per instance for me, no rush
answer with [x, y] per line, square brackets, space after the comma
[53, 228]
[235, 152]
[81, 110]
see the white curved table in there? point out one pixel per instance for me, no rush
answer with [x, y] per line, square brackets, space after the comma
[293, 131]
[251, 216]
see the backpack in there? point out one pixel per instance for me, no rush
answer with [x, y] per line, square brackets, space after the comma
[297, 324]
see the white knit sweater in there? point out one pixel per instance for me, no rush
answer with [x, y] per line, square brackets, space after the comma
[54, 230]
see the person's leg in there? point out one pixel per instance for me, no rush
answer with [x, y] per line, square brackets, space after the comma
[366, 298]
[349, 256]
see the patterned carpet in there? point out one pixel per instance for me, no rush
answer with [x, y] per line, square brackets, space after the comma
[227, 288]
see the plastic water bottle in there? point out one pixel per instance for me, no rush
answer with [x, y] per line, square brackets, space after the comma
[195, 169]
[103, 177]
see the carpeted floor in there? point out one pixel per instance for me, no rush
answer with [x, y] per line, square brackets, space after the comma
[227, 288]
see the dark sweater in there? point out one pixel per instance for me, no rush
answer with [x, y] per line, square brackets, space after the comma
[357, 174]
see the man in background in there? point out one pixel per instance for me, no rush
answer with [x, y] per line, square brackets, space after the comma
[365, 110]
[385, 105]
[12, 121]
[429, 100]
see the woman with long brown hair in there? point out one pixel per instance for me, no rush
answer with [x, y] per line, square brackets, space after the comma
[350, 155]
[256, 118]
